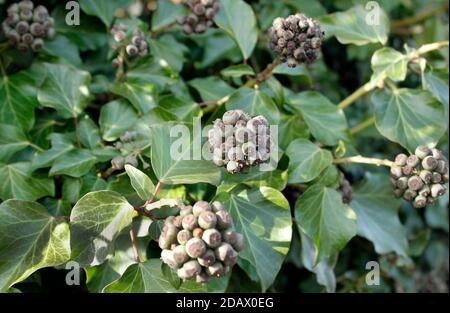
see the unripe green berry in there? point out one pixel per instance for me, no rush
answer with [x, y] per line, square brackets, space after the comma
[425, 191]
[436, 178]
[240, 243]
[202, 278]
[230, 117]
[185, 210]
[200, 207]
[437, 154]
[132, 50]
[429, 163]
[192, 268]
[426, 176]
[131, 160]
[420, 202]
[215, 270]
[413, 160]
[400, 160]
[183, 236]
[179, 255]
[217, 206]
[224, 220]
[402, 183]
[437, 190]
[409, 195]
[407, 170]
[26, 5]
[37, 44]
[27, 38]
[195, 247]
[22, 27]
[167, 257]
[36, 29]
[26, 15]
[212, 238]
[442, 167]
[118, 163]
[200, 28]
[422, 151]
[229, 236]
[208, 259]
[396, 171]
[415, 183]
[189, 222]
[207, 220]
[226, 254]
[233, 167]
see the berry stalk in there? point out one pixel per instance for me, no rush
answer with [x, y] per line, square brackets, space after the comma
[363, 160]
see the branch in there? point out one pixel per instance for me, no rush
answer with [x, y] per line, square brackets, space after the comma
[143, 209]
[419, 17]
[156, 33]
[134, 245]
[363, 160]
[264, 75]
[360, 127]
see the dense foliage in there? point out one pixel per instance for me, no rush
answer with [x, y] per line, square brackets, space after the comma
[357, 90]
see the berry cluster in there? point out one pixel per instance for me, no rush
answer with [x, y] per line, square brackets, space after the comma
[297, 39]
[200, 242]
[134, 42]
[345, 189]
[420, 177]
[125, 144]
[26, 26]
[239, 141]
[201, 16]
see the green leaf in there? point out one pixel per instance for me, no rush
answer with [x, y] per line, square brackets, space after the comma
[377, 211]
[181, 168]
[307, 161]
[103, 9]
[255, 178]
[67, 96]
[351, 26]
[409, 117]
[170, 51]
[31, 239]
[211, 88]
[140, 182]
[19, 183]
[183, 108]
[140, 93]
[18, 100]
[436, 81]
[89, 133]
[74, 163]
[284, 69]
[389, 63]
[61, 144]
[237, 19]
[146, 277]
[116, 117]
[238, 71]
[263, 216]
[63, 48]
[153, 70]
[98, 277]
[95, 222]
[165, 14]
[323, 217]
[12, 140]
[254, 102]
[325, 120]
[291, 127]
[324, 269]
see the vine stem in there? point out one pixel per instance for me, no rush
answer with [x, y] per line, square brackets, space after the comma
[143, 211]
[264, 75]
[162, 30]
[419, 17]
[369, 86]
[36, 147]
[134, 246]
[362, 126]
[363, 160]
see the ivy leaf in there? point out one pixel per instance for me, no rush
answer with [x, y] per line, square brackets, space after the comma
[389, 63]
[95, 222]
[103, 9]
[19, 183]
[298, 71]
[184, 167]
[325, 120]
[436, 81]
[165, 14]
[116, 117]
[141, 94]
[146, 277]
[263, 216]
[291, 127]
[63, 48]
[324, 270]
[377, 211]
[237, 19]
[307, 161]
[153, 70]
[74, 163]
[12, 140]
[255, 178]
[409, 117]
[352, 27]
[255, 102]
[18, 100]
[61, 144]
[31, 239]
[89, 133]
[211, 88]
[67, 96]
[323, 217]
[237, 71]
[183, 108]
[98, 277]
[140, 182]
[168, 49]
